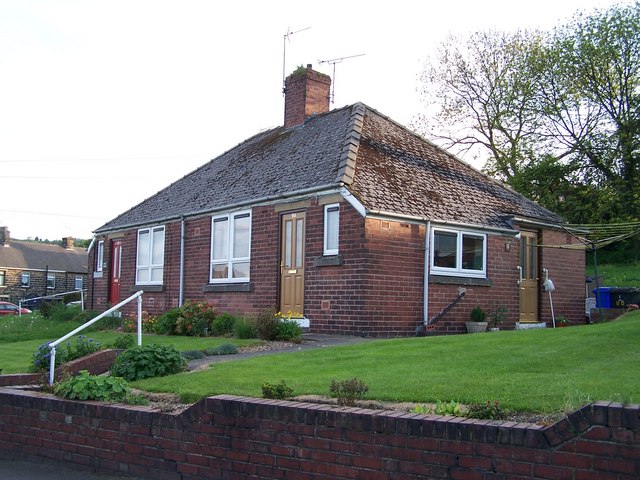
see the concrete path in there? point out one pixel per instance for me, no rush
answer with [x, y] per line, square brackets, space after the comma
[22, 470]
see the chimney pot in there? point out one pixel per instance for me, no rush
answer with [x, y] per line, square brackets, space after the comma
[5, 236]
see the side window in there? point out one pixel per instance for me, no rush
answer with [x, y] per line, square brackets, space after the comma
[2, 278]
[78, 283]
[459, 253]
[331, 229]
[25, 279]
[150, 256]
[51, 281]
[100, 256]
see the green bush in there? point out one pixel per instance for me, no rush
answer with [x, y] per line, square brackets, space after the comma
[166, 323]
[83, 346]
[222, 325]
[267, 325]
[288, 330]
[96, 387]
[195, 319]
[489, 410]
[452, 408]
[148, 361]
[42, 358]
[348, 392]
[192, 354]
[125, 342]
[244, 329]
[278, 391]
[224, 349]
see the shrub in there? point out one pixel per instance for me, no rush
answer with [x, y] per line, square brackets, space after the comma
[489, 410]
[124, 342]
[192, 354]
[478, 314]
[244, 329]
[279, 391]
[148, 361]
[452, 408]
[195, 319]
[222, 325]
[92, 387]
[166, 323]
[348, 392]
[288, 330]
[83, 346]
[224, 349]
[42, 358]
[267, 325]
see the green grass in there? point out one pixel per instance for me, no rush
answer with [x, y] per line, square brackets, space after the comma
[618, 275]
[21, 336]
[541, 370]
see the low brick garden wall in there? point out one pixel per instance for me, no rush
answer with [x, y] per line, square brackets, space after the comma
[228, 437]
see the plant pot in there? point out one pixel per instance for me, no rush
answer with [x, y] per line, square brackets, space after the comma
[476, 327]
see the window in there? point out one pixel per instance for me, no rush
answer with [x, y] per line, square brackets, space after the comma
[150, 256]
[51, 281]
[78, 283]
[100, 256]
[2, 278]
[230, 247]
[331, 229]
[458, 253]
[25, 279]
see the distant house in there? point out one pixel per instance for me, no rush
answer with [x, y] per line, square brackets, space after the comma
[35, 269]
[348, 219]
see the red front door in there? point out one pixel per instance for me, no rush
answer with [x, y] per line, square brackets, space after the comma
[116, 258]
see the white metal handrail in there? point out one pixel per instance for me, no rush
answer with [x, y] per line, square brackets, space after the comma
[50, 296]
[52, 345]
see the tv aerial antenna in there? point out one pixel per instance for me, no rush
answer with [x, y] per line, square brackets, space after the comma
[284, 52]
[333, 62]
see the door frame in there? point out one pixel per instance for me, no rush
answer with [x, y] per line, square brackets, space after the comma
[297, 262]
[529, 282]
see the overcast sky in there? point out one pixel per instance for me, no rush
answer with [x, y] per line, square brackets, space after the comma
[103, 103]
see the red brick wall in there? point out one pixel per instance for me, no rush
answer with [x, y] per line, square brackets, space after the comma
[241, 438]
[376, 290]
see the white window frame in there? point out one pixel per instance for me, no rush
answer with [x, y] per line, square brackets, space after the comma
[78, 281]
[229, 261]
[24, 284]
[146, 264]
[100, 256]
[331, 209]
[458, 271]
[51, 277]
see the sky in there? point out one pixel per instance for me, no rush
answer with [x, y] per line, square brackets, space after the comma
[104, 103]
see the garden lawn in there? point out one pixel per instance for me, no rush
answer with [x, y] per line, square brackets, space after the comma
[540, 370]
[20, 337]
[617, 275]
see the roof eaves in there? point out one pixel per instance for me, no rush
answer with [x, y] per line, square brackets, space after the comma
[347, 164]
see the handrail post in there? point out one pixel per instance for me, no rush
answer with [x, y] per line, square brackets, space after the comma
[139, 321]
[52, 365]
[19, 308]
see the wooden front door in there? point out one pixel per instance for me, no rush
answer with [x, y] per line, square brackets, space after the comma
[116, 261]
[292, 263]
[529, 277]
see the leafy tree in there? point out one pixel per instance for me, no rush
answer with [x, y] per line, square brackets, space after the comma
[555, 114]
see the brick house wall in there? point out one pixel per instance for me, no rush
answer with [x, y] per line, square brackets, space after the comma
[374, 287]
[242, 438]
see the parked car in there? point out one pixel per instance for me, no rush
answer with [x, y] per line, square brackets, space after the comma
[7, 308]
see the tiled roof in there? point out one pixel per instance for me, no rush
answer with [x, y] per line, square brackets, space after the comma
[387, 167]
[40, 256]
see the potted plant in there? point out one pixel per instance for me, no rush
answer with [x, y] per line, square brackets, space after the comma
[498, 316]
[478, 321]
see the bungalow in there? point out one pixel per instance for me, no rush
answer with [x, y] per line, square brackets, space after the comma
[350, 220]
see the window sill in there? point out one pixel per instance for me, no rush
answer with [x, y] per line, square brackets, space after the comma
[466, 281]
[148, 288]
[331, 260]
[97, 274]
[226, 287]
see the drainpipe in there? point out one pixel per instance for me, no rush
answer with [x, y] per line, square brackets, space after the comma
[181, 286]
[425, 313]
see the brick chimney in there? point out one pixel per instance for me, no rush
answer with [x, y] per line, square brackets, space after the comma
[68, 242]
[5, 236]
[306, 93]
